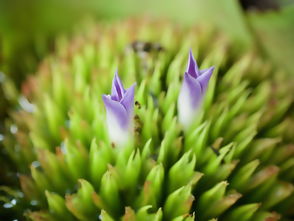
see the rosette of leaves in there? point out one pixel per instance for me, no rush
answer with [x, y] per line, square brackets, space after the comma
[235, 163]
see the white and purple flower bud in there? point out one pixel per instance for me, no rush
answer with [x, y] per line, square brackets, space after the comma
[192, 92]
[119, 110]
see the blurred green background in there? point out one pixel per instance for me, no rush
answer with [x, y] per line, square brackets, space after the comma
[28, 28]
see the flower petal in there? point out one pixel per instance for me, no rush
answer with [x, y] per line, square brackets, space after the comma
[194, 88]
[117, 89]
[192, 68]
[128, 100]
[204, 70]
[204, 78]
[189, 100]
[116, 111]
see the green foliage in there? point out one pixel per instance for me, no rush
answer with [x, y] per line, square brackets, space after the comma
[235, 163]
[273, 29]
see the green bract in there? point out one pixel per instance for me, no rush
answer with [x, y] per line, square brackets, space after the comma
[235, 163]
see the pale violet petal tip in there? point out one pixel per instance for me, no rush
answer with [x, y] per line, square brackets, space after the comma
[204, 78]
[128, 99]
[117, 89]
[192, 68]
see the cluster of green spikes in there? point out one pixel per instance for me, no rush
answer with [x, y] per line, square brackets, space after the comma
[236, 162]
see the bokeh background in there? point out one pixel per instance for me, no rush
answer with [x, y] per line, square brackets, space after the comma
[28, 29]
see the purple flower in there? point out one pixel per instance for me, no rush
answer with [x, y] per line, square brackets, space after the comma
[193, 91]
[119, 110]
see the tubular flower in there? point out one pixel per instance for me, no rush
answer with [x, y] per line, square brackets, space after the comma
[119, 109]
[192, 91]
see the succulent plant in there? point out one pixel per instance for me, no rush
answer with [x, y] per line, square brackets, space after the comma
[234, 161]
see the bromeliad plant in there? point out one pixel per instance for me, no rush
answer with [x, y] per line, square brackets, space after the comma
[211, 143]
